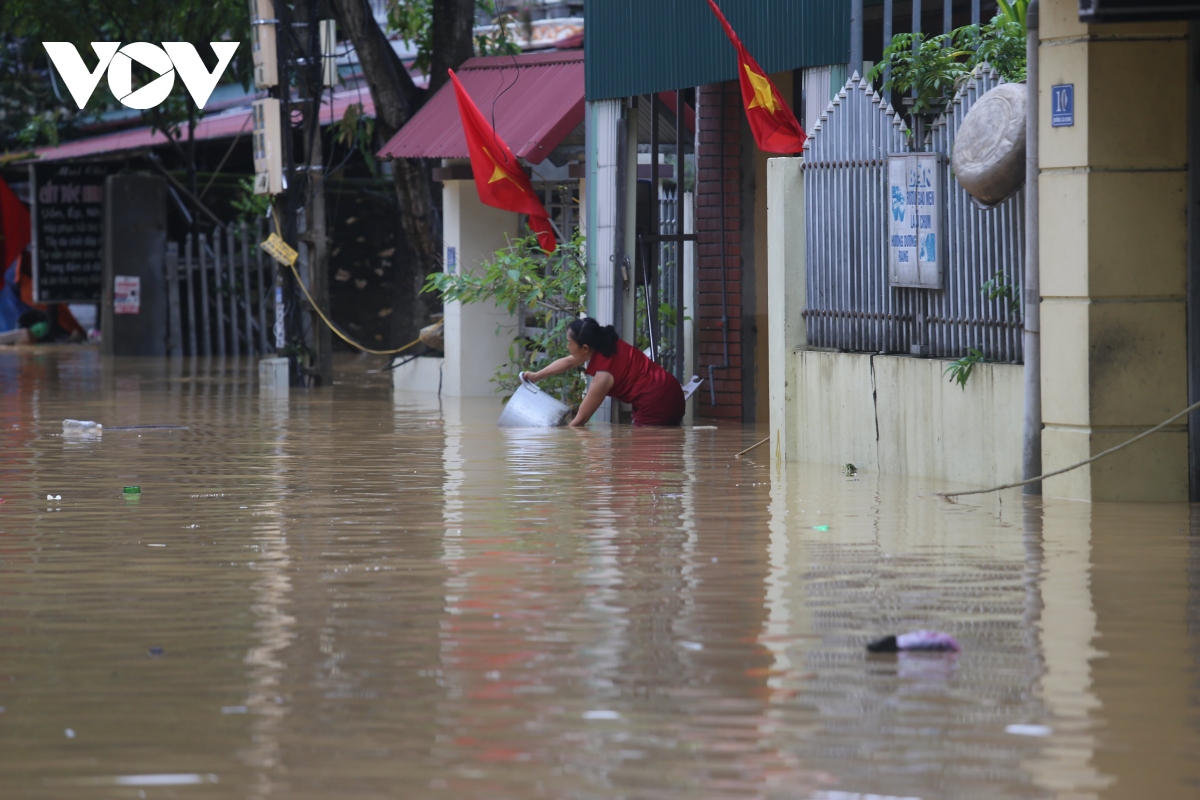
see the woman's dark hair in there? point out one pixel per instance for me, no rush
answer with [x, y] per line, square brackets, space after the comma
[601, 338]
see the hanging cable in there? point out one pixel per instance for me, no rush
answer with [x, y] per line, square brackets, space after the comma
[1096, 457]
[343, 336]
[329, 322]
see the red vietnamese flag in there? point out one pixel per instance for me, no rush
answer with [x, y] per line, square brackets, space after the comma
[773, 123]
[499, 179]
[15, 228]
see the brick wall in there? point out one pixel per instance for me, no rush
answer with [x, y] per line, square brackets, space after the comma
[719, 114]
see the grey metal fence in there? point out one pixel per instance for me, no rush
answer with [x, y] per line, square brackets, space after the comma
[851, 304]
[218, 293]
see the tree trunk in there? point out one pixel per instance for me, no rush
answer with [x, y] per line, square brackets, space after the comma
[453, 21]
[396, 99]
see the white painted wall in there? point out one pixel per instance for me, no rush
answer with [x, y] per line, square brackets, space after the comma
[786, 295]
[421, 374]
[477, 335]
[603, 128]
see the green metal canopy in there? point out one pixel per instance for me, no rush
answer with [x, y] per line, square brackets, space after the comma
[643, 46]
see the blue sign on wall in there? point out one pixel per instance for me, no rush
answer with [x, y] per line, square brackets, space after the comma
[1062, 105]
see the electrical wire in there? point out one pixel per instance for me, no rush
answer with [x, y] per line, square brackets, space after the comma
[495, 100]
[329, 322]
[1096, 457]
[343, 336]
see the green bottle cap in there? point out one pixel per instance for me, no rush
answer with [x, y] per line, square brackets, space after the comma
[133, 490]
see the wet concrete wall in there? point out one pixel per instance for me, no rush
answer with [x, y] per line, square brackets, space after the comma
[1114, 240]
[898, 414]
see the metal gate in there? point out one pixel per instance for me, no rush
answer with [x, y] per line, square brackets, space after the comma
[218, 287]
[850, 304]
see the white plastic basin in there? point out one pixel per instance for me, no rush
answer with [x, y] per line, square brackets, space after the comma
[530, 407]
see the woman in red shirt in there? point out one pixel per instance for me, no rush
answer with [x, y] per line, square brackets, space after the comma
[618, 369]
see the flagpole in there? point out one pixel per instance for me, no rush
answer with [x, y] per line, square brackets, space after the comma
[887, 38]
[856, 36]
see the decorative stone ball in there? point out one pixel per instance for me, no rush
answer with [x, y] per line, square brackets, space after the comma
[989, 149]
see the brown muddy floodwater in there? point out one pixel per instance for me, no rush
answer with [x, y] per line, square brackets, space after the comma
[361, 595]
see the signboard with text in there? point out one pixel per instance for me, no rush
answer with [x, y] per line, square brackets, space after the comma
[127, 294]
[915, 220]
[68, 231]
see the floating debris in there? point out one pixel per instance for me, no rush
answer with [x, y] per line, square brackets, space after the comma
[601, 713]
[1028, 730]
[179, 779]
[926, 641]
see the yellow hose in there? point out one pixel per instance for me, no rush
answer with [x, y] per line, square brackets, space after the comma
[343, 336]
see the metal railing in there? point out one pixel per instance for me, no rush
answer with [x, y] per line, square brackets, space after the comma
[659, 305]
[218, 293]
[850, 304]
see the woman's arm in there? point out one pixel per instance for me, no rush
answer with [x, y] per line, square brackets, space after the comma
[601, 382]
[555, 368]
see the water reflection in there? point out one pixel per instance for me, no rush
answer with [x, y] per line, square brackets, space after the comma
[366, 595]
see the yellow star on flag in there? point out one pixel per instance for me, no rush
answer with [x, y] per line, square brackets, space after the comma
[499, 173]
[763, 96]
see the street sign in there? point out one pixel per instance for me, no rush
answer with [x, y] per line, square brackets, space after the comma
[127, 294]
[1062, 105]
[68, 230]
[914, 211]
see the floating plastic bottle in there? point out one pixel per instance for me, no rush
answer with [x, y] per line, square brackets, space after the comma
[81, 426]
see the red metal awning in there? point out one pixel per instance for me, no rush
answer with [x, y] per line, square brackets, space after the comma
[223, 125]
[535, 100]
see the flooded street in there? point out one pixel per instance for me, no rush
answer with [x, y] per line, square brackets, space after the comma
[350, 593]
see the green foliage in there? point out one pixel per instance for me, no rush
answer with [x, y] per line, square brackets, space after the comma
[960, 370]
[34, 109]
[929, 67]
[933, 68]
[999, 287]
[30, 113]
[413, 20]
[664, 323]
[1001, 43]
[498, 42]
[250, 206]
[1014, 11]
[355, 130]
[524, 279]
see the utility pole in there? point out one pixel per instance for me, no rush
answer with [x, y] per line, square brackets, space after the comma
[315, 236]
[293, 48]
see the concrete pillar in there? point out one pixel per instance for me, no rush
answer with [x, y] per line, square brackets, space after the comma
[604, 128]
[786, 298]
[477, 335]
[1113, 255]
